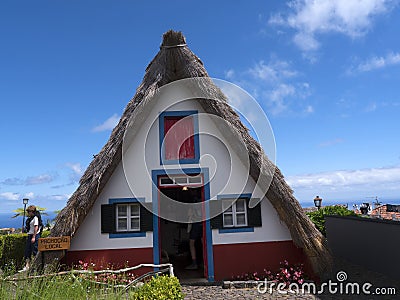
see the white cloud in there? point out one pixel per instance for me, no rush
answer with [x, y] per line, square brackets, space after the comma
[277, 97]
[371, 107]
[76, 168]
[306, 42]
[230, 74]
[375, 63]
[31, 180]
[374, 178]
[312, 17]
[29, 195]
[38, 197]
[10, 196]
[42, 199]
[276, 84]
[331, 142]
[44, 178]
[76, 171]
[108, 124]
[57, 197]
[274, 71]
[13, 181]
[309, 109]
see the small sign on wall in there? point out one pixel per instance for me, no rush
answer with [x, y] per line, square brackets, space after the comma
[54, 243]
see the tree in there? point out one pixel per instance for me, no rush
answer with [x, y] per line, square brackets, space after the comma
[19, 212]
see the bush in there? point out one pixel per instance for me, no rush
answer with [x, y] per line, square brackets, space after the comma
[158, 288]
[318, 216]
[12, 248]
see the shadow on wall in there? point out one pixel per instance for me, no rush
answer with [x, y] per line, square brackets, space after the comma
[371, 243]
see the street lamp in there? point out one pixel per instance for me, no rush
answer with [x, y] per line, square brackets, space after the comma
[25, 202]
[317, 202]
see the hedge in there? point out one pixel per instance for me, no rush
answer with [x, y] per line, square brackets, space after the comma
[318, 216]
[12, 248]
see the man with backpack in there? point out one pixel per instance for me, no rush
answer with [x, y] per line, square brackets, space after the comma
[34, 228]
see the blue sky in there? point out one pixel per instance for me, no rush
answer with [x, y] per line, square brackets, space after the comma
[326, 74]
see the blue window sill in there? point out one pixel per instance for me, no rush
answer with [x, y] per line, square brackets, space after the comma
[234, 230]
[126, 235]
[180, 161]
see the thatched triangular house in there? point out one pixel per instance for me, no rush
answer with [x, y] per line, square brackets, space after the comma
[107, 216]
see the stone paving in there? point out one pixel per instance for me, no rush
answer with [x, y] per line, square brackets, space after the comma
[219, 293]
[354, 273]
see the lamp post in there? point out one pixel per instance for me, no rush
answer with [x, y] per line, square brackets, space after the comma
[25, 202]
[317, 202]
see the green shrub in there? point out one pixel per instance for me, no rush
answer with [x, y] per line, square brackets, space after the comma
[318, 216]
[12, 248]
[158, 288]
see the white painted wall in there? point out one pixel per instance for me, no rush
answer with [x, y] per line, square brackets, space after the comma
[272, 228]
[89, 236]
[132, 177]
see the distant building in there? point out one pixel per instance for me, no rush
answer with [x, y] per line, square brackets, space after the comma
[7, 230]
[387, 212]
[309, 209]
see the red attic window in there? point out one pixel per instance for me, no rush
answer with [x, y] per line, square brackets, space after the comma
[179, 137]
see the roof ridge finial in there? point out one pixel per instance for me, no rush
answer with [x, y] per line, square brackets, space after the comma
[173, 39]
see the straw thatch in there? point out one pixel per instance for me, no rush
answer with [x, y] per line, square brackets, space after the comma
[175, 61]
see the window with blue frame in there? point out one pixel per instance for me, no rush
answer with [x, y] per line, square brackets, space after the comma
[179, 139]
[236, 215]
[126, 217]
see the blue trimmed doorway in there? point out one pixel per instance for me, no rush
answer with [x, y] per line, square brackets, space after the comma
[174, 237]
[171, 240]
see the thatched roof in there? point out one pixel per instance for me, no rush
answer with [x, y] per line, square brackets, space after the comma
[173, 62]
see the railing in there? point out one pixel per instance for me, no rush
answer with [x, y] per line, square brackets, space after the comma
[162, 268]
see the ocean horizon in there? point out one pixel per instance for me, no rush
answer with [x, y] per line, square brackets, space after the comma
[6, 220]
[350, 203]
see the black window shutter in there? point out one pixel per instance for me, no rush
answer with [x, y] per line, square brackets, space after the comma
[107, 218]
[254, 215]
[146, 217]
[217, 221]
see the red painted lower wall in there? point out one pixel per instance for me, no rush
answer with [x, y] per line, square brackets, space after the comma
[116, 258]
[231, 260]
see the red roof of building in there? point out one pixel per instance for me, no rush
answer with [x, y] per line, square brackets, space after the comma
[387, 212]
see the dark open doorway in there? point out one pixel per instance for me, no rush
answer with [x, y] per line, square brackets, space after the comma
[175, 244]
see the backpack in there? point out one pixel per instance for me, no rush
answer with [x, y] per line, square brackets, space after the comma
[28, 222]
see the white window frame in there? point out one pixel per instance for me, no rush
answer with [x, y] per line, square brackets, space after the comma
[180, 180]
[128, 217]
[234, 213]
